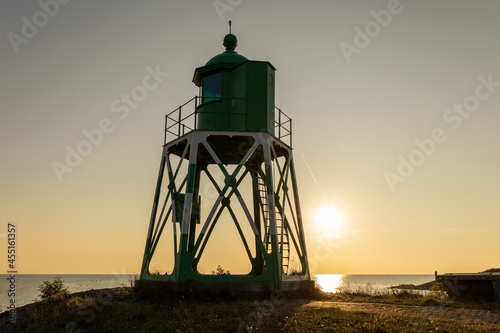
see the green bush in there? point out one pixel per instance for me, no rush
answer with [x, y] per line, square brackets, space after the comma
[54, 290]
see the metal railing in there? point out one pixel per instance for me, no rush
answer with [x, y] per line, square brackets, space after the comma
[176, 124]
[283, 128]
[184, 119]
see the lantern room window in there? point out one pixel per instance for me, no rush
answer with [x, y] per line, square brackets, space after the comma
[211, 88]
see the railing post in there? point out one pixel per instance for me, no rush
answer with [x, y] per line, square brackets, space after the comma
[290, 132]
[279, 123]
[165, 135]
[179, 123]
[195, 111]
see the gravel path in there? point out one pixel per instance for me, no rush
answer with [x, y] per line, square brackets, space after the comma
[466, 315]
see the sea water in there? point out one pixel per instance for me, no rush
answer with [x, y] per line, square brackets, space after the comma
[369, 283]
[27, 285]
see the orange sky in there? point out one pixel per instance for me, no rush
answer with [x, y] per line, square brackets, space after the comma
[367, 84]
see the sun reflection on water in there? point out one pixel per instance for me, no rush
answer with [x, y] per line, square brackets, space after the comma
[330, 283]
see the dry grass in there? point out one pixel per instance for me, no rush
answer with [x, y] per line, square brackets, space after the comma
[123, 310]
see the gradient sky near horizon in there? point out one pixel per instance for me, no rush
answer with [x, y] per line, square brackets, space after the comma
[359, 120]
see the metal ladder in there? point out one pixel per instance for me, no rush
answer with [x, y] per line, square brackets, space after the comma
[264, 210]
[282, 232]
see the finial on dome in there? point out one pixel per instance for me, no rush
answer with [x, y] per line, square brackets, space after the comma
[229, 26]
[230, 42]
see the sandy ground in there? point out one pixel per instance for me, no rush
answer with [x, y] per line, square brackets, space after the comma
[466, 315]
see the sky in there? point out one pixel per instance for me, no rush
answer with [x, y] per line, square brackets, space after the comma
[394, 105]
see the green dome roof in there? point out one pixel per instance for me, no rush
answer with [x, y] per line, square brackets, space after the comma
[229, 56]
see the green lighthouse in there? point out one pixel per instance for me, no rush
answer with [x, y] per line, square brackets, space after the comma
[227, 156]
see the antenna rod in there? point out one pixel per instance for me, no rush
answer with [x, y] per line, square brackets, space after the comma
[229, 26]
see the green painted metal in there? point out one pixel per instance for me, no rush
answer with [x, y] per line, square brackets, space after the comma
[147, 253]
[230, 56]
[237, 96]
[260, 97]
[269, 263]
[245, 102]
[183, 120]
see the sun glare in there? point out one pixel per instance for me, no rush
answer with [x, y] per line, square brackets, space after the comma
[329, 219]
[329, 283]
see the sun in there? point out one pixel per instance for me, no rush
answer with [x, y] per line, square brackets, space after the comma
[329, 219]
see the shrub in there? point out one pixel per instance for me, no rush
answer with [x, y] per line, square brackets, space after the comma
[74, 303]
[221, 271]
[406, 293]
[54, 290]
[437, 292]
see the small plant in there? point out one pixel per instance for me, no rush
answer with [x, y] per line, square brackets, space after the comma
[74, 303]
[221, 271]
[437, 296]
[405, 293]
[359, 290]
[157, 270]
[437, 291]
[54, 290]
[131, 280]
[295, 268]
